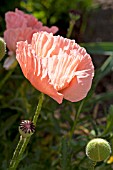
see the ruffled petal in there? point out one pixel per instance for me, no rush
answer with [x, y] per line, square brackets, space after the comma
[53, 29]
[10, 39]
[35, 24]
[33, 69]
[47, 45]
[14, 20]
[61, 69]
[81, 83]
[56, 66]
[12, 36]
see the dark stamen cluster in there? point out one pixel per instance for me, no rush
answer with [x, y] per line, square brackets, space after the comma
[27, 126]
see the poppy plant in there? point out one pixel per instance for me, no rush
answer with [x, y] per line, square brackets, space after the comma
[56, 66]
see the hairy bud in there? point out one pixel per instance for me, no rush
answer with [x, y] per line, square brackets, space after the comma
[98, 149]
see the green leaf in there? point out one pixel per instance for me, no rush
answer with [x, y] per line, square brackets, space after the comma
[29, 167]
[100, 97]
[106, 68]
[65, 155]
[8, 123]
[109, 125]
[100, 48]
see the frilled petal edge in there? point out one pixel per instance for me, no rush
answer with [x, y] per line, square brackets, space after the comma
[81, 83]
[31, 66]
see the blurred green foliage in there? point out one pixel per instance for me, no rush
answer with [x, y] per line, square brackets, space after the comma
[51, 147]
[51, 11]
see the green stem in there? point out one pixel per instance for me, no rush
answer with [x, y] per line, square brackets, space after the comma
[24, 141]
[19, 156]
[38, 109]
[70, 29]
[16, 152]
[92, 165]
[76, 118]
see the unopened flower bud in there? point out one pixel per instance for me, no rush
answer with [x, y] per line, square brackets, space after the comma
[98, 149]
[26, 128]
[2, 48]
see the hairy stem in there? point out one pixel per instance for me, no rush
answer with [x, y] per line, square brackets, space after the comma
[76, 118]
[70, 29]
[92, 165]
[16, 153]
[23, 142]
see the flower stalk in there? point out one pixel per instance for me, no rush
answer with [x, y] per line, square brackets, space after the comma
[76, 119]
[70, 29]
[23, 142]
[92, 165]
[16, 153]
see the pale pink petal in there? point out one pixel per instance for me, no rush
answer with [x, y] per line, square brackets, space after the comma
[42, 43]
[32, 69]
[67, 63]
[38, 26]
[81, 83]
[12, 36]
[14, 20]
[21, 26]
[31, 20]
[61, 69]
[56, 66]
[47, 45]
[35, 24]
[53, 29]
[19, 12]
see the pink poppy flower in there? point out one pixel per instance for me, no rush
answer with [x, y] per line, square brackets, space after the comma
[56, 66]
[20, 27]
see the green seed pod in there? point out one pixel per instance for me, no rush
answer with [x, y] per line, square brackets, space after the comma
[26, 128]
[98, 149]
[2, 48]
